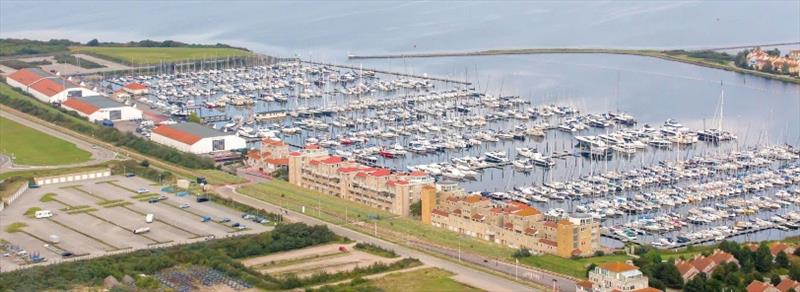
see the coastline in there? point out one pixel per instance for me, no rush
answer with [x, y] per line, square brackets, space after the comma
[534, 51]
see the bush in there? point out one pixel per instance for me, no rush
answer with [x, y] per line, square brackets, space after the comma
[522, 253]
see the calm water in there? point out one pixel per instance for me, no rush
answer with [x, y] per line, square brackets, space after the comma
[756, 109]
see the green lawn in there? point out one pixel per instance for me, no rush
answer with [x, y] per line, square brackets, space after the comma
[390, 226]
[143, 55]
[428, 279]
[31, 147]
[572, 267]
[218, 177]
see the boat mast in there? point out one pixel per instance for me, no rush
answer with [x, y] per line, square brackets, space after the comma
[721, 104]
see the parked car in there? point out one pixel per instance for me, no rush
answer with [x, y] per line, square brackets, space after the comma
[184, 206]
[142, 191]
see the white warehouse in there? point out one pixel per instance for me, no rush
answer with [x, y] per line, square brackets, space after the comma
[98, 108]
[45, 86]
[196, 138]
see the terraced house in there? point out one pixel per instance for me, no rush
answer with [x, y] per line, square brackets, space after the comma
[517, 225]
[381, 188]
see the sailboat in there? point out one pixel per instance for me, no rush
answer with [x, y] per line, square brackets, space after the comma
[718, 134]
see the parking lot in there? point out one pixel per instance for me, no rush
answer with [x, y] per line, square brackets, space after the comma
[97, 217]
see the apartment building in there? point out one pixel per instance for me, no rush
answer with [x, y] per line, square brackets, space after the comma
[381, 188]
[516, 225]
[272, 155]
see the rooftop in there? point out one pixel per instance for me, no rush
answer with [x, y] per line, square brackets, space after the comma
[42, 81]
[618, 267]
[187, 133]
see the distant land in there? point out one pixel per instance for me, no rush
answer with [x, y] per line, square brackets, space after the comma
[705, 58]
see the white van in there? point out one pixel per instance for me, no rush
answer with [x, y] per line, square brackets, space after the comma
[43, 214]
[149, 218]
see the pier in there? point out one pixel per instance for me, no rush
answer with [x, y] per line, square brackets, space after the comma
[391, 73]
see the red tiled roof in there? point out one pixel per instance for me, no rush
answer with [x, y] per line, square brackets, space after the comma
[721, 257]
[277, 161]
[527, 211]
[777, 247]
[787, 284]
[618, 267]
[550, 224]
[41, 83]
[332, 160]
[509, 225]
[757, 286]
[703, 263]
[457, 211]
[312, 146]
[177, 135]
[272, 142]
[477, 216]
[417, 173]
[530, 231]
[686, 269]
[381, 172]
[361, 174]
[472, 199]
[295, 153]
[586, 284]
[135, 86]
[253, 154]
[80, 106]
[347, 169]
[439, 212]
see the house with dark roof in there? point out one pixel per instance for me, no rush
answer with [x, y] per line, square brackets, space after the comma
[196, 138]
[98, 108]
[45, 86]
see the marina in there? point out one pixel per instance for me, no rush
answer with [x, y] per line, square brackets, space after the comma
[557, 157]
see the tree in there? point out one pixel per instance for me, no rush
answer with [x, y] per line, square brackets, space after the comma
[416, 208]
[763, 258]
[194, 118]
[794, 272]
[145, 163]
[774, 52]
[767, 67]
[93, 43]
[589, 268]
[656, 283]
[522, 253]
[732, 280]
[668, 274]
[797, 252]
[781, 260]
[775, 280]
[696, 284]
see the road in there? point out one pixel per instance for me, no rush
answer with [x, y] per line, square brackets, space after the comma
[99, 154]
[467, 275]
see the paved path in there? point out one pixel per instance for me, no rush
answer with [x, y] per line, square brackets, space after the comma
[99, 154]
[373, 276]
[467, 275]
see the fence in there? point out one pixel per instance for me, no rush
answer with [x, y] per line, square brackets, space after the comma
[72, 177]
[13, 197]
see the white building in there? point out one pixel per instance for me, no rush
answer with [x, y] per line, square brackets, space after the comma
[45, 86]
[196, 138]
[98, 108]
[135, 88]
[621, 277]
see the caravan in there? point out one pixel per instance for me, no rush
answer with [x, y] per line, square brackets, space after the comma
[43, 214]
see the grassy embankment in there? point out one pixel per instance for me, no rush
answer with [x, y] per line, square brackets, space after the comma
[32, 147]
[144, 56]
[398, 229]
[682, 57]
[429, 279]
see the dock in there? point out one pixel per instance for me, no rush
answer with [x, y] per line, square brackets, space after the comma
[606, 233]
[390, 73]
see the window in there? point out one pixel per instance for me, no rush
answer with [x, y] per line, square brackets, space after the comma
[218, 145]
[115, 115]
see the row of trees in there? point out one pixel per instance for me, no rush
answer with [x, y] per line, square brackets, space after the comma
[72, 121]
[14, 47]
[157, 44]
[218, 254]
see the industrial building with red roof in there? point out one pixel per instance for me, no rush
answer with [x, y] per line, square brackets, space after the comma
[46, 86]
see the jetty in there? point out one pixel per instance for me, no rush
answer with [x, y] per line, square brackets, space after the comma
[390, 72]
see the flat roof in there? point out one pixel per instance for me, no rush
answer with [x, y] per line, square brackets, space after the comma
[198, 130]
[99, 101]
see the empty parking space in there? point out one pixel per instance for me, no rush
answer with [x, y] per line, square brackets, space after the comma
[94, 217]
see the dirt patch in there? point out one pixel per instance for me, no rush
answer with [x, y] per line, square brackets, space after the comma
[308, 261]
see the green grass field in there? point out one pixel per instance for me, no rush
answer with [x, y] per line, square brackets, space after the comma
[572, 267]
[430, 279]
[218, 177]
[31, 147]
[142, 55]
